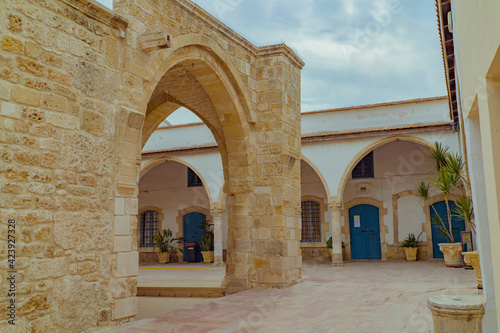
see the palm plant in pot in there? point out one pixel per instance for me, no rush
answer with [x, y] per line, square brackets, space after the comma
[207, 242]
[207, 247]
[450, 181]
[164, 241]
[410, 245]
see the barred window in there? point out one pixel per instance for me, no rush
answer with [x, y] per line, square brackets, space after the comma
[193, 179]
[365, 168]
[149, 227]
[311, 221]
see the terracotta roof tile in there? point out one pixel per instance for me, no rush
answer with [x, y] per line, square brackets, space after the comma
[306, 137]
[418, 100]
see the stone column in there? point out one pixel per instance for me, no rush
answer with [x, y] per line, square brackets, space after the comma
[457, 313]
[336, 234]
[217, 221]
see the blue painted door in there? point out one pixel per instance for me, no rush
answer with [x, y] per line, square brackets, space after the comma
[192, 231]
[365, 232]
[437, 235]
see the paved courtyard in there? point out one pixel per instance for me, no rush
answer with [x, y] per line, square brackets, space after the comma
[360, 297]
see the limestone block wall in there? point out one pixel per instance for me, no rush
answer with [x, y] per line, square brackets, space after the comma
[79, 94]
[60, 71]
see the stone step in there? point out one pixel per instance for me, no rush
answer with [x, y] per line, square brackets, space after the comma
[209, 289]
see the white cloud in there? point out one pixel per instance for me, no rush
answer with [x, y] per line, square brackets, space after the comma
[356, 52]
[107, 3]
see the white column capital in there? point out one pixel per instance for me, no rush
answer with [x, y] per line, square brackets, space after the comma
[334, 203]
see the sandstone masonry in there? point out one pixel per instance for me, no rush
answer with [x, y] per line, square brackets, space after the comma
[81, 90]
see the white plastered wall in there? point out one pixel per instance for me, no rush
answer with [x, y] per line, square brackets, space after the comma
[477, 57]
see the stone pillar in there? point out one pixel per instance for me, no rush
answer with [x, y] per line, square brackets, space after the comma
[336, 234]
[459, 314]
[217, 221]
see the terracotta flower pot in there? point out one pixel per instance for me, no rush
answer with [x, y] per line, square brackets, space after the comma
[163, 257]
[411, 253]
[452, 254]
[472, 258]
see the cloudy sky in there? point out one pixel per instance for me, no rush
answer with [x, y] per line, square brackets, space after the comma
[356, 51]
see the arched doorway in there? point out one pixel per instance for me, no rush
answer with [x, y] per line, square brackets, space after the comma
[169, 186]
[438, 236]
[192, 231]
[385, 175]
[365, 232]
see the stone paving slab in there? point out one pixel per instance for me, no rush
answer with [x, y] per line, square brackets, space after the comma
[360, 297]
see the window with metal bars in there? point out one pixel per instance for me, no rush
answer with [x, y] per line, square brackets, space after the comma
[149, 227]
[193, 179]
[311, 221]
[364, 169]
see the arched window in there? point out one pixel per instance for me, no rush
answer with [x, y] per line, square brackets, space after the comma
[364, 169]
[193, 179]
[149, 227]
[311, 221]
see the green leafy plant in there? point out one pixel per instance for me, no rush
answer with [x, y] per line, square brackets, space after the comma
[329, 243]
[207, 242]
[207, 239]
[411, 241]
[165, 240]
[465, 210]
[449, 180]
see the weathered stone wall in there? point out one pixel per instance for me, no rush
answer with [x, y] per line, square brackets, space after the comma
[250, 98]
[59, 90]
[78, 94]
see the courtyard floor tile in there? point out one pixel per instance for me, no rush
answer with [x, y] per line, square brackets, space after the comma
[360, 297]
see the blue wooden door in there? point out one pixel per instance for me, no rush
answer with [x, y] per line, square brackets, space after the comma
[192, 231]
[365, 232]
[437, 235]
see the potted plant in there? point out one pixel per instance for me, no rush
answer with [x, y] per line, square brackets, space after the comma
[207, 247]
[449, 180]
[329, 246]
[465, 211]
[410, 245]
[207, 242]
[164, 241]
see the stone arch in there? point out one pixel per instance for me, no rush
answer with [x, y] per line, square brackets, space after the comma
[221, 204]
[164, 61]
[369, 148]
[383, 228]
[159, 160]
[214, 76]
[320, 175]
